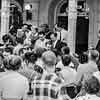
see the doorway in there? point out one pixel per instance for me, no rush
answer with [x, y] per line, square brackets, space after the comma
[82, 29]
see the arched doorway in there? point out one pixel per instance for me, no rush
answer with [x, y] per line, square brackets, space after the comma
[61, 15]
[54, 11]
[16, 11]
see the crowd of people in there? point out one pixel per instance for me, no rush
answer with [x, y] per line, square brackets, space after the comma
[37, 64]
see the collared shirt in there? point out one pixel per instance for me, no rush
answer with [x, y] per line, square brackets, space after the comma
[40, 44]
[13, 85]
[46, 87]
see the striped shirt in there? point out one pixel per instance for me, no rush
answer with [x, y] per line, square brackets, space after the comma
[46, 87]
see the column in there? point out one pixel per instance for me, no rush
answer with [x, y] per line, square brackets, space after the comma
[72, 16]
[5, 11]
[93, 22]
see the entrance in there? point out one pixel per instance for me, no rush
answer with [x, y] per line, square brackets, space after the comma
[82, 29]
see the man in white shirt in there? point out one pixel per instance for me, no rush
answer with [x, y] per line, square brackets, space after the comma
[68, 74]
[41, 42]
[62, 33]
[12, 84]
[85, 71]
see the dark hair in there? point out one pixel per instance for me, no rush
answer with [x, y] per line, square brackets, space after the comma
[13, 63]
[1, 55]
[25, 24]
[30, 57]
[94, 54]
[39, 52]
[36, 29]
[48, 35]
[66, 59]
[65, 50]
[38, 69]
[41, 33]
[5, 38]
[83, 58]
[9, 49]
[55, 34]
[29, 27]
[92, 85]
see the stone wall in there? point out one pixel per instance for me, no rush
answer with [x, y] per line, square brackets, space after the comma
[35, 12]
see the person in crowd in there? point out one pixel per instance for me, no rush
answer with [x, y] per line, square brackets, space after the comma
[48, 45]
[8, 39]
[27, 69]
[48, 82]
[92, 87]
[83, 58]
[57, 44]
[61, 31]
[21, 36]
[68, 74]
[17, 48]
[12, 84]
[86, 70]
[40, 43]
[28, 35]
[74, 62]
[39, 52]
[34, 35]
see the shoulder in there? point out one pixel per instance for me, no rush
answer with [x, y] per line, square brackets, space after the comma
[54, 78]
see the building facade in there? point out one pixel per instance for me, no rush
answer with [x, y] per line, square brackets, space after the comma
[82, 29]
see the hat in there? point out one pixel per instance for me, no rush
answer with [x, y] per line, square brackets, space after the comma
[49, 58]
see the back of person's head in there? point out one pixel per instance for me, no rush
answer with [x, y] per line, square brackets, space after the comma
[39, 52]
[30, 57]
[92, 85]
[49, 60]
[9, 49]
[83, 58]
[65, 50]
[66, 59]
[12, 62]
[55, 34]
[41, 33]
[5, 38]
[93, 55]
[63, 26]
